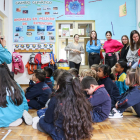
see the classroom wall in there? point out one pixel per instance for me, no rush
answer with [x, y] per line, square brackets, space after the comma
[103, 12]
[138, 14]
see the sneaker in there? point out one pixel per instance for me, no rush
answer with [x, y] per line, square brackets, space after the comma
[115, 115]
[17, 122]
[113, 111]
[27, 118]
[35, 121]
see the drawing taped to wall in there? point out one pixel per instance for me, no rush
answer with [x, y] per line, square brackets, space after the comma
[74, 7]
[122, 10]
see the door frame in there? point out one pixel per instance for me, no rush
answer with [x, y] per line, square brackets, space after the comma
[75, 28]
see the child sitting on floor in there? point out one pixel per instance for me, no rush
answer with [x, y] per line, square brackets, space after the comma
[132, 98]
[103, 74]
[49, 74]
[68, 114]
[74, 72]
[13, 104]
[99, 99]
[95, 67]
[39, 93]
[57, 73]
[121, 68]
[87, 72]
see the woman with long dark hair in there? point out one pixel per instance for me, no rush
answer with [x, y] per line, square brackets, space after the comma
[111, 46]
[124, 51]
[12, 100]
[75, 50]
[132, 55]
[93, 48]
[68, 114]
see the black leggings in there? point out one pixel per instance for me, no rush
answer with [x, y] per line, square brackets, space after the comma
[111, 59]
[74, 65]
[94, 59]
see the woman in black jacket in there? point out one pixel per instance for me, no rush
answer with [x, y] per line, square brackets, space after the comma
[124, 51]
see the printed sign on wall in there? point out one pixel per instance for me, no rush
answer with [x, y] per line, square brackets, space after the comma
[34, 21]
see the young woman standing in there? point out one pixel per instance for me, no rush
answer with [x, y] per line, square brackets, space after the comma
[93, 48]
[75, 50]
[111, 46]
[132, 55]
[124, 51]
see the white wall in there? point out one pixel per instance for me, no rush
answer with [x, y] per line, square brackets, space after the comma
[6, 11]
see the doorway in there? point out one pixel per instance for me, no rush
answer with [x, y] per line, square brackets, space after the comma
[65, 31]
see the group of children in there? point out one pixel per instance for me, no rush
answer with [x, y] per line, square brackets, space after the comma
[67, 107]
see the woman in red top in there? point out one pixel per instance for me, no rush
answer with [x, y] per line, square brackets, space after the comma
[111, 46]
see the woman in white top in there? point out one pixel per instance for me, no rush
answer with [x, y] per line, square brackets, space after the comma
[75, 50]
[132, 55]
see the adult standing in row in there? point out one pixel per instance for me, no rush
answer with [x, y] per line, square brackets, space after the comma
[5, 55]
[75, 50]
[111, 46]
[132, 55]
[124, 51]
[93, 48]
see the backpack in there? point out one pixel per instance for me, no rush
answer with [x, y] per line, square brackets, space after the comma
[52, 64]
[17, 63]
[53, 58]
[38, 58]
[32, 59]
[45, 58]
[16, 57]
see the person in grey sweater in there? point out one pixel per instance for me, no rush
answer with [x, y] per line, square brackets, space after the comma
[132, 55]
[75, 50]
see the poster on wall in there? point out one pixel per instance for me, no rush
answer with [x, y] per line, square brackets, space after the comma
[65, 30]
[74, 7]
[122, 10]
[34, 21]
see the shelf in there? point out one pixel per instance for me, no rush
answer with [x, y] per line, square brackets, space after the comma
[30, 50]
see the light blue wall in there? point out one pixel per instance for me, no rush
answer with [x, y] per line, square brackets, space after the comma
[103, 12]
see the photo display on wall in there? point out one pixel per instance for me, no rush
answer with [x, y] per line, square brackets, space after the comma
[34, 21]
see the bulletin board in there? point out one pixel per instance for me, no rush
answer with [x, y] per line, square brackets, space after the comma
[34, 21]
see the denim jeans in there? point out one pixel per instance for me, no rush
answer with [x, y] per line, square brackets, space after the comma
[41, 112]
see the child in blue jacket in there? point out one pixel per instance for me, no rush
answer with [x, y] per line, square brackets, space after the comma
[121, 68]
[5, 55]
[99, 99]
[13, 104]
[38, 94]
[132, 98]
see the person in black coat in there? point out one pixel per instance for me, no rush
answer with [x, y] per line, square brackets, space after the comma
[124, 51]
